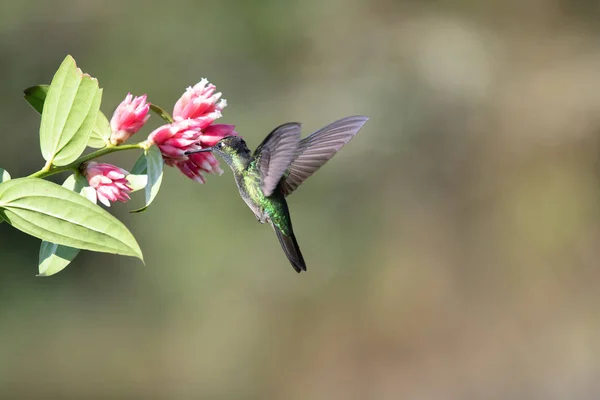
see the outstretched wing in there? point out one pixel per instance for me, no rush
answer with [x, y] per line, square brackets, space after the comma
[316, 149]
[275, 154]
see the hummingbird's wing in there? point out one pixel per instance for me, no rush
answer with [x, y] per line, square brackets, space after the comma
[316, 149]
[275, 154]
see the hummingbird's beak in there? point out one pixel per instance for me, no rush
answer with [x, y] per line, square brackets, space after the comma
[199, 151]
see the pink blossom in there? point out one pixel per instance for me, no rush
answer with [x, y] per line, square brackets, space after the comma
[213, 133]
[109, 182]
[128, 118]
[199, 103]
[175, 139]
[196, 165]
[193, 129]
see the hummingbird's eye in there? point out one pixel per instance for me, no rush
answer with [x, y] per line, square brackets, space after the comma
[221, 144]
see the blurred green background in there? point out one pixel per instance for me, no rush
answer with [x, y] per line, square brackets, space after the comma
[452, 246]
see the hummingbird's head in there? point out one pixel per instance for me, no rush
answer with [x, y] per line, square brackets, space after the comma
[230, 149]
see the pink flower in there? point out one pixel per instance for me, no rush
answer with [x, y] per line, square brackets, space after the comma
[128, 118]
[175, 139]
[213, 133]
[108, 181]
[199, 103]
[193, 129]
[196, 165]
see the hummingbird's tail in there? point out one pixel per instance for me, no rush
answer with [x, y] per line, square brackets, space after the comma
[291, 249]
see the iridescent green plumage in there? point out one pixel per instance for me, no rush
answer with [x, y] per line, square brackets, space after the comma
[278, 166]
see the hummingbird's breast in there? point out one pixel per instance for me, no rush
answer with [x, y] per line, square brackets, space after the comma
[249, 187]
[271, 209]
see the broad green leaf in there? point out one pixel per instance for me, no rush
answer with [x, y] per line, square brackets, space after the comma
[101, 131]
[161, 113]
[69, 113]
[54, 257]
[53, 213]
[36, 95]
[154, 171]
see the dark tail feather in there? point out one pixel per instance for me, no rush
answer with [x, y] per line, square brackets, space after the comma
[291, 250]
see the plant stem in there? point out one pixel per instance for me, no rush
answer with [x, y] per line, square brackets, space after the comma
[75, 164]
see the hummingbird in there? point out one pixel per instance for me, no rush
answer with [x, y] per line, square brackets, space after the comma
[278, 166]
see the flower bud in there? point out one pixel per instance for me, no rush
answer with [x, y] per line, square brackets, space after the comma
[175, 139]
[199, 103]
[128, 118]
[109, 182]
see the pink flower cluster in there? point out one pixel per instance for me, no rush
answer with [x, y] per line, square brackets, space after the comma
[193, 129]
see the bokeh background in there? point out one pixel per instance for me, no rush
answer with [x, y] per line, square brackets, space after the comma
[452, 246]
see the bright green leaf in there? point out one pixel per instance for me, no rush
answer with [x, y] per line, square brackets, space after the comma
[101, 131]
[69, 113]
[154, 172]
[53, 213]
[161, 113]
[36, 95]
[54, 257]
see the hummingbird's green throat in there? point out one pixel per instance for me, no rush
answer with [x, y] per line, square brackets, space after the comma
[278, 166]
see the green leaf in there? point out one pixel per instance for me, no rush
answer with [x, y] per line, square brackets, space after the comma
[36, 95]
[101, 132]
[53, 213]
[141, 165]
[161, 113]
[4, 175]
[137, 182]
[154, 170]
[69, 113]
[79, 184]
[138, 178]
[54, 258]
